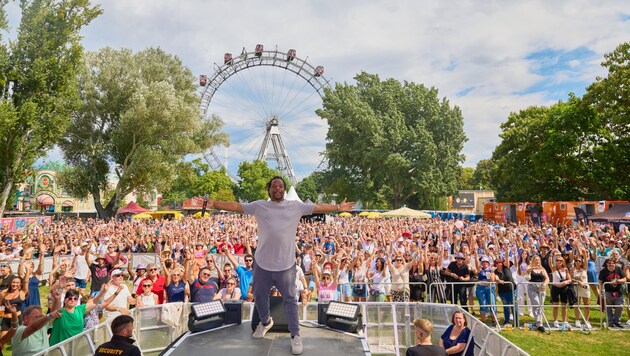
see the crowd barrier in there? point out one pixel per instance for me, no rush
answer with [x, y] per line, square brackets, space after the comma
[387, 327]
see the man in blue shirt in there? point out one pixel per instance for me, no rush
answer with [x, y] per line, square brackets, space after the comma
[244, 272]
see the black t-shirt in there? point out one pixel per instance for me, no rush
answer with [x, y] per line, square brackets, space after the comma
[607, 276]
[506, 276]
[426, 350]
[100, 275]
[462, 271]
[544, 262]
[6, 282]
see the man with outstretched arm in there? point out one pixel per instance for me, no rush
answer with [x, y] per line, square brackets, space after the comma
[274, 264]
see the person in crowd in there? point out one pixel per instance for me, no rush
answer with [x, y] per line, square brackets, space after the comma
[121, 343]
[326, 282]
[343, 279]
[580, 278]
[433, 274]
[277, 221]
[485, 292]
[15, 295]
[399, 272]
[14, 322]
[228, 272]
[505, 288]
[93, 318]
[359, 268]
[245, 272]
[177, 289]
[31, 337]
[538, 281]
[457, 272]
[424, 346]
[147, 298]
[122, 297]
[158, 282]
[114, 256]
[378, 279]
[561, 280]
[137, 276]
[71, 321]
[611, 277]
[215, 271]
[417, 278]
[32, 276]
[202, 288]
[521, 283]
[229, 292]
[6, 276]
[455, 337]
[99, 271]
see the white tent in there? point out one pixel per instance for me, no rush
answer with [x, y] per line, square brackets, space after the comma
[292, 195]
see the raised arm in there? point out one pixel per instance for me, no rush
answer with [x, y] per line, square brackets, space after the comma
[329, 208]
[226, 205]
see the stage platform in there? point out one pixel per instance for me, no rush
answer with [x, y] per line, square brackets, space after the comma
[236, 340]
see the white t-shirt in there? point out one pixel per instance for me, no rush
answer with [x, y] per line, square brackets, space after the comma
[277, 226]
[82, 268]
[119, 302]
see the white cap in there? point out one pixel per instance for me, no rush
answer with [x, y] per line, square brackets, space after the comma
[116, 272]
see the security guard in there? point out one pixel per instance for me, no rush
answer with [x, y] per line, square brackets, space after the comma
[121, 343]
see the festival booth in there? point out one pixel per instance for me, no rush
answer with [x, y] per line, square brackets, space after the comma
[617, 215]
[131, 209]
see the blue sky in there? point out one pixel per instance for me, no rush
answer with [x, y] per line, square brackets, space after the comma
[489, 58]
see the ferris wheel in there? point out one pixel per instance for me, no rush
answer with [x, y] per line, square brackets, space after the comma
[267, 101]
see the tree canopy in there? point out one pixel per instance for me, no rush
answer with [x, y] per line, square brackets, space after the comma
[390, 141]
[195, 178]
[140, 116]
[37, 82]
[254, 177]
[572, 150]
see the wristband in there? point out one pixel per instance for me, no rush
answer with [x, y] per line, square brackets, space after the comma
[338, 207]
[48, 316]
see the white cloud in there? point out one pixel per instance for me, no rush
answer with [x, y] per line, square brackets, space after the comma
[452, 45]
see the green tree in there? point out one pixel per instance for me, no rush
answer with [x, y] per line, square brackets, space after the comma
[140, 116]
[37, 82]
[310, 187]
[482, 177]
[196, 179]
[465, 178]
[391, 141]
[254, 177]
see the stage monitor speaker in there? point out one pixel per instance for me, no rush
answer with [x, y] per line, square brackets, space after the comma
[321, 313]
[233, 311]
[280, 323]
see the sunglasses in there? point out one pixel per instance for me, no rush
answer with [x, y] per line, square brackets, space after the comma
[153, 269]
[326, 278]
[248, 260]
[210, 261]
[147, 285]
[72, 298]
[399, 260]
[206, 274]
[230, 283]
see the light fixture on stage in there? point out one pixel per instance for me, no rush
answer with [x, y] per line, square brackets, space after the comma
[206, 316]
[344, 317]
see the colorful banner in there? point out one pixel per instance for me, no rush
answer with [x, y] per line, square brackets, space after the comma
[22, 224]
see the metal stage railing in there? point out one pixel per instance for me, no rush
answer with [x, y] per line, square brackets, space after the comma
[388, 329]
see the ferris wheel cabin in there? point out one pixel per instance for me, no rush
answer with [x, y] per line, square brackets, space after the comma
[291, 55]
[319, 71]
[203, 80]
[259, 50]
[227, 58]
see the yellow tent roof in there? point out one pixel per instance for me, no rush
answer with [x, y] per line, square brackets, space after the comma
[345, 214]
[143, 216]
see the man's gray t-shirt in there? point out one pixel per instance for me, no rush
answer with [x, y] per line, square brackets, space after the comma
[277, 226]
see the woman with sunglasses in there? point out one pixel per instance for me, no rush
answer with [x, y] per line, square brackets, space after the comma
[561, 280]
[158, 282]
[230, 291]
[147, 298]
[71, 321]
[15, 295]
[399, 272]
[176, 289]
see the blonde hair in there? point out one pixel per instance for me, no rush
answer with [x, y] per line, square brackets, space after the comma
[424, 325]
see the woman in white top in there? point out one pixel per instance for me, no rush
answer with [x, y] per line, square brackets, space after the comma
[580, 277]
[378, 277]
[359, 267]
[230, 292]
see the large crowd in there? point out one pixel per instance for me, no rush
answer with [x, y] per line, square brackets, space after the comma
[346, 259]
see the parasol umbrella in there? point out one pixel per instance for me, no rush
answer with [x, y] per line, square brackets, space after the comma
[374, 215]
[345, 214]
[197, 215]
[406, 213]
[143, 216]
[364, 213]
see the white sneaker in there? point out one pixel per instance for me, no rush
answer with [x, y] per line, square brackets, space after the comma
[261, 329]
[296, 345]
[556, 324]
[588, 325]
[578, 324]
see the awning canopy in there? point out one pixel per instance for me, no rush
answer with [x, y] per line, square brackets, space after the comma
[132, 208]
[45, 200]
[67, 203]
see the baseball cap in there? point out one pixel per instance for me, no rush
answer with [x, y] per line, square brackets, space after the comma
[485, 259]
[459, 255]
[116, 272]
[140, 266]
[327, 272]
[400, 239]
